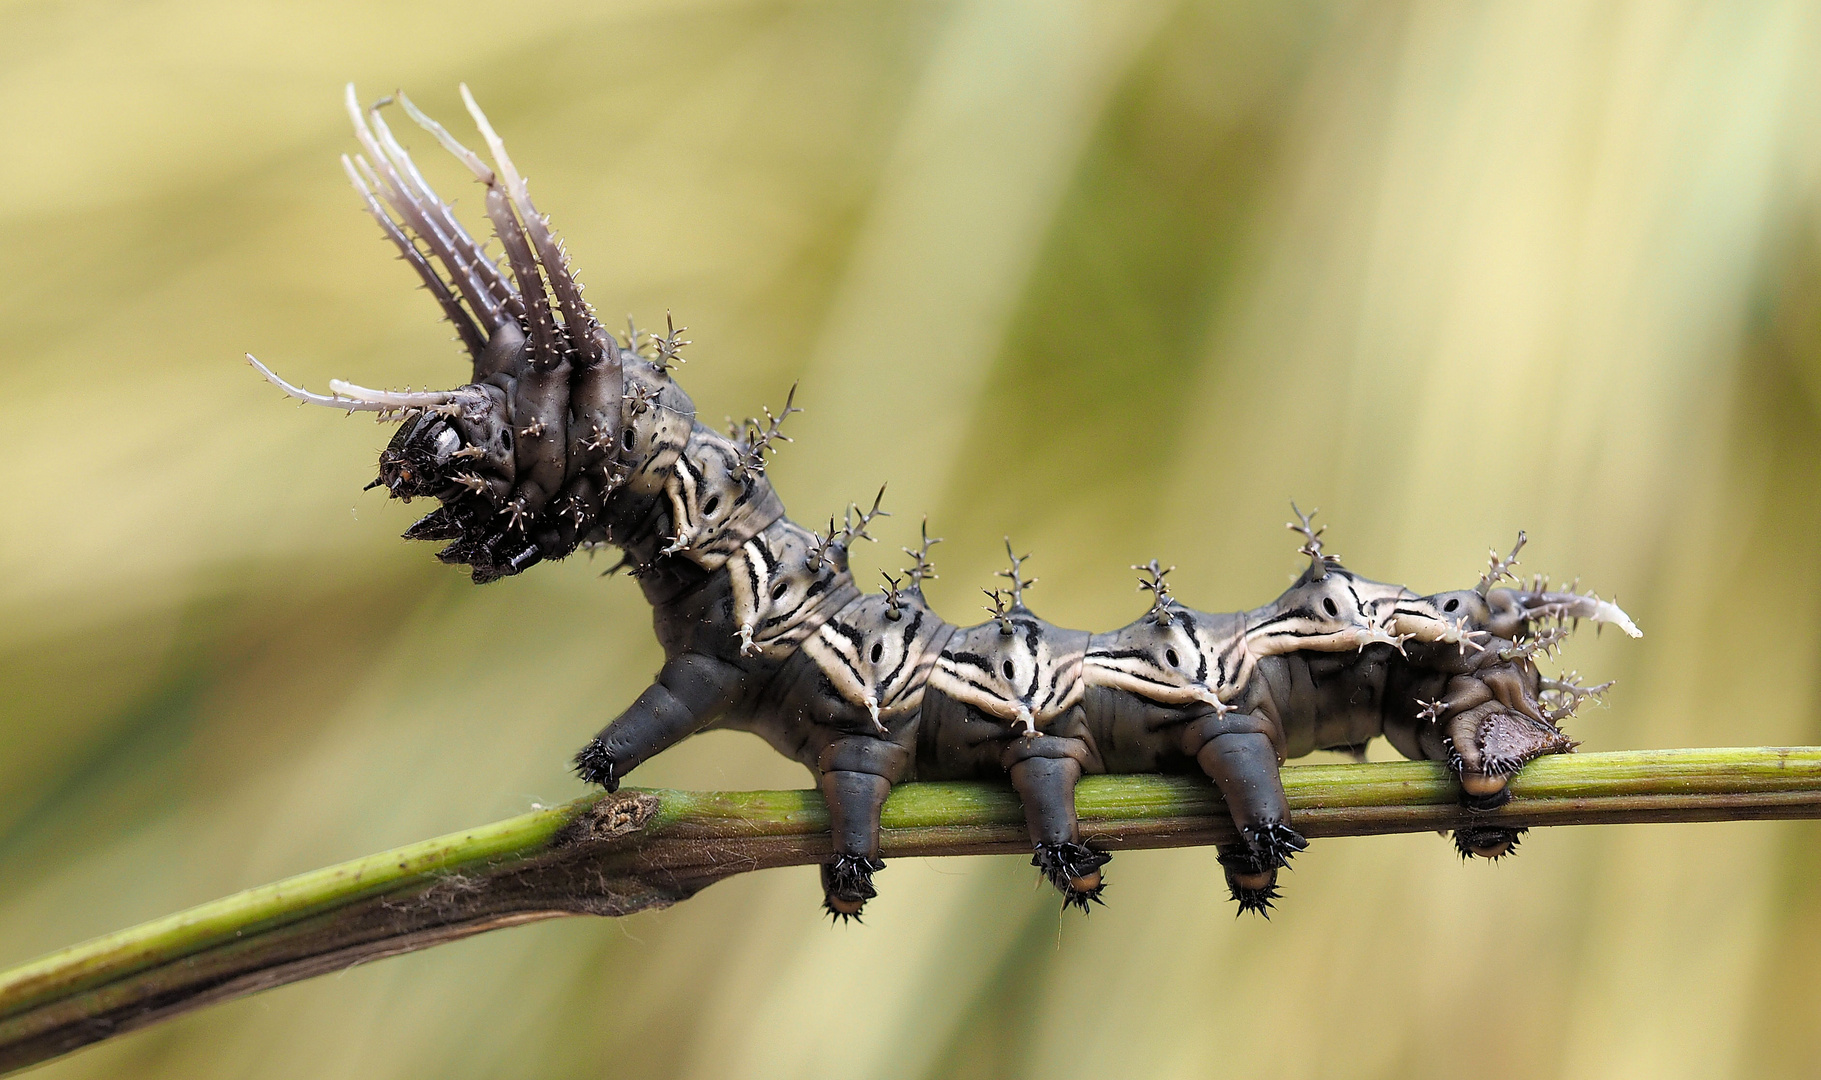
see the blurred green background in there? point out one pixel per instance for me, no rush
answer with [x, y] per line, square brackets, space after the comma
[1116, 279]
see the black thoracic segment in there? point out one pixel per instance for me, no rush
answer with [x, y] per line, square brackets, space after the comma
[566, 438]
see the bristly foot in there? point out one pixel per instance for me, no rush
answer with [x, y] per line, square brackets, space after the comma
[847, 884]
[1485, 802]
[1075, 871]
[595, 765]
[1252, 882]
[1487, 841]
[1273, 843]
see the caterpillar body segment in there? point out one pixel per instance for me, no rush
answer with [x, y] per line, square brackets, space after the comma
[567, 437]
[1005, 700]
[781, 592]
[1021, 675]
[849, 704]
[1336, 612]
[715, 505]
[1181, 690]
[657, 421]
[877, 655]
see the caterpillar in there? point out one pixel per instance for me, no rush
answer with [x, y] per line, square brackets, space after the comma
[567, 436]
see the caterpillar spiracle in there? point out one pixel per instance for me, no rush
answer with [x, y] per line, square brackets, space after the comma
[566, 436]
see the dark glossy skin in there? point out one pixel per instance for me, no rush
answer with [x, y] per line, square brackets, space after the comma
[1005, 699]
[567, 437]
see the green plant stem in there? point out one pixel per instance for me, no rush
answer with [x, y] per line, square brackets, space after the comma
[616, 854]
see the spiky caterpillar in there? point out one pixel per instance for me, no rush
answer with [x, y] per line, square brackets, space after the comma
[568, 437]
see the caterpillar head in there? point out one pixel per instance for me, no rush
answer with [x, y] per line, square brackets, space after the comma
[420, 459]
[523, 455]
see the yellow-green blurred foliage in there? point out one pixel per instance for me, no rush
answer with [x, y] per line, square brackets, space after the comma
[1118, 279]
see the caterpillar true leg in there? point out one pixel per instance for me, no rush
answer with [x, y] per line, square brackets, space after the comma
[686, 696]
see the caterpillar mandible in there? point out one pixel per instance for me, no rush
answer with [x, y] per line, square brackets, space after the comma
[567, 436]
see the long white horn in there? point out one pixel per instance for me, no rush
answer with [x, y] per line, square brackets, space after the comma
[350, 398]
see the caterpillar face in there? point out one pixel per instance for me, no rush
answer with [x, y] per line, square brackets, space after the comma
[1026, 677]
[779, 586]
[418, 460]
[876, 662]
[1193, 658]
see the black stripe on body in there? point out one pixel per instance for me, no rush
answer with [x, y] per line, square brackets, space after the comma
[851, 635]
[988, 691]
[1055, 678]
[1294, 613]
[770, 560]
[904, 650]
[752, 573]
[970, 659]
[1119, 654]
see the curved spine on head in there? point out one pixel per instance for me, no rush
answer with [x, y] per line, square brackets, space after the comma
[390, 404]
